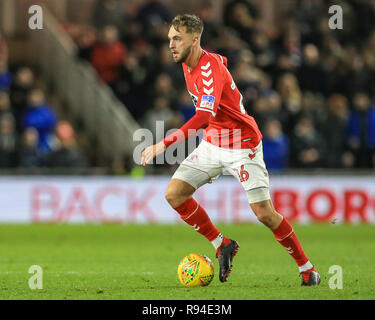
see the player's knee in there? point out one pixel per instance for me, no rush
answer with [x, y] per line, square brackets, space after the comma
[170, 196]
[173, 197]
[265, 218]
[263, 213]
[177, 193]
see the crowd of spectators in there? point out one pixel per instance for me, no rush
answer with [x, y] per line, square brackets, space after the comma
[310, 88]
[31, 135]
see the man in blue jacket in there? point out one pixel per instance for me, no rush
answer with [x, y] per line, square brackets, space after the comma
[42, 117]
[362, 131]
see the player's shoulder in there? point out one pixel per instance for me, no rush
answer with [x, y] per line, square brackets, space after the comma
[214, 60]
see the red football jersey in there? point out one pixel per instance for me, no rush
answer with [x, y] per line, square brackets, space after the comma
[212, 89]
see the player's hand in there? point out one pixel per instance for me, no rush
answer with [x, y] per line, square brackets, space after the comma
[152, 151]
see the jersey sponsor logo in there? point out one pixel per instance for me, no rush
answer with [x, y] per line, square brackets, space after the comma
[208, 102]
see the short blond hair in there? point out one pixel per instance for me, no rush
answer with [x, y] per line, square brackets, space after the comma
[191, 22]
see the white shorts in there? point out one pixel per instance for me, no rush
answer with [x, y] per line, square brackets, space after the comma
[208, 162]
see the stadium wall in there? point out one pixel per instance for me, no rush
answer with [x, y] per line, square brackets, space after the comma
[97, 199]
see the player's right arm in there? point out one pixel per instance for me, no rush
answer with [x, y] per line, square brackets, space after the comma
[198, 121]
[152, 151]
[209, 84]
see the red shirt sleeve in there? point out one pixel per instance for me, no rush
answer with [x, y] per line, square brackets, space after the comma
[210, 86]
[198, 121]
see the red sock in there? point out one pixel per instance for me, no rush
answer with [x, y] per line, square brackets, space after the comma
[287, 238]
[193, 214]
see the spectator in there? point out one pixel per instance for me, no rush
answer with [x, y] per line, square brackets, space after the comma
[3, 49]
[108, 55]
[8, 138]
[185, 105]
[29, 155]
[5, 75]
[358, 77]
[207, 14]
[161, 111]
[265, 86]
[369, 52]
[148, 60]
[364, 9]
[264, 52]
[86, 40]
[306, 13]
[312, 77]
[335, 130]
[67, 154]
[152, 15]
[276, 111]
[290, 92]
[248, 78]
[313, 106]
[307, 145]
[275, 146]
[362, 131]
[133, 29]
[109, 12]
[129, 88]
[19, 92]
[291, 48]
[261, 111]
[5, 107]
[239, 15]
[229, 44]
[41, 116]
[291, 97]
[163, 87]
[295, 69]
[168, 66]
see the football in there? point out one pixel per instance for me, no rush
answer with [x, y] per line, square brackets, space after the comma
[195, 270]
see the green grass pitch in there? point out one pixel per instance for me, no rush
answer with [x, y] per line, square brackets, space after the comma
[140, 262]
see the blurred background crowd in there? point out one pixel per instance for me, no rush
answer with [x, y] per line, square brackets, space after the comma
[311, 89]
[31, 133]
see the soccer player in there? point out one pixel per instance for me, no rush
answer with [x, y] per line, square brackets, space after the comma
[231, 143]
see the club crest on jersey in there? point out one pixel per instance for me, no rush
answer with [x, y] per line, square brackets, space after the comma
[208, 102]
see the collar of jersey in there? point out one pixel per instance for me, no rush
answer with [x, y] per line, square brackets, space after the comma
[196, 67]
